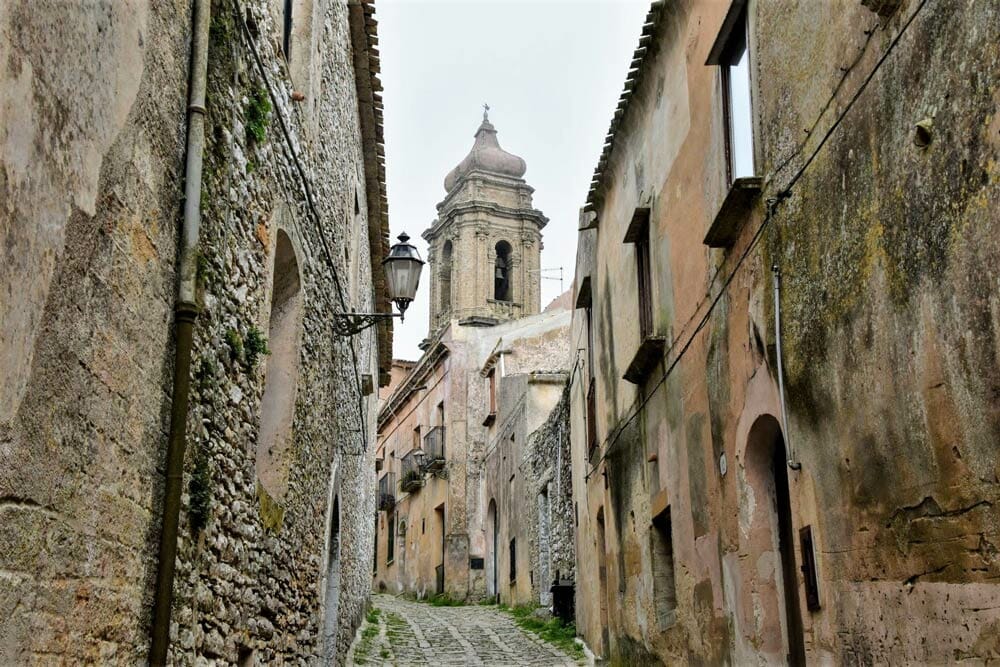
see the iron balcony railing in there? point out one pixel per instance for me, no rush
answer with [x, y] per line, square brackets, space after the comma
[412, 477]
[387, 491]
[434, 449]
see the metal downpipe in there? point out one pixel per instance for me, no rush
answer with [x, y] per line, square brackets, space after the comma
[185, 314]
[792, 463]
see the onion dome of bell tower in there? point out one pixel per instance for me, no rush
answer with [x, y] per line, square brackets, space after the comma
[486, 155]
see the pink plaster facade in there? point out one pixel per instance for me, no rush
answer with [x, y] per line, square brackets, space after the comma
[690, 537]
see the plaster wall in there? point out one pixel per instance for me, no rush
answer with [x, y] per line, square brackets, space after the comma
[889, 335]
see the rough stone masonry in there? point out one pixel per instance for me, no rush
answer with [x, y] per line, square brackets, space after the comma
[276, 531]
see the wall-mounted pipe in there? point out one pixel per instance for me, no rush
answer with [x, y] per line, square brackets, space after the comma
[185, 313]
[792, 463]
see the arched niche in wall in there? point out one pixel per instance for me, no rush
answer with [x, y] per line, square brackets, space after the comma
[277, 409]
[502, 274]
[331, 615]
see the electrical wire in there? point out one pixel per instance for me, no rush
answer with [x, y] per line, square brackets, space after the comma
[784, 193]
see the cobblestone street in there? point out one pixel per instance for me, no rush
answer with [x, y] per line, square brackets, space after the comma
[417, 633]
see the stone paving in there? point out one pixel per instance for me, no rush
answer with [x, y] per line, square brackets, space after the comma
[417, 633]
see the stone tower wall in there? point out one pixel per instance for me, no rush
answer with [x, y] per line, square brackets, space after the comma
[479, 213]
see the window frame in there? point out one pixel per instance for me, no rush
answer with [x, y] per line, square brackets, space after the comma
[491, 378]
[638, 234]
[644, 286]
[732, 42]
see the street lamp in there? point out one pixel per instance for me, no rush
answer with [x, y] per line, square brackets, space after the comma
[402, 275]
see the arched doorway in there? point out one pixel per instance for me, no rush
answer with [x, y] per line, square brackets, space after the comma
[773, 579]
[492, 536]
[331, 616]
[602, 576]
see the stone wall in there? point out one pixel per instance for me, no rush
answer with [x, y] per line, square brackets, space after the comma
[92, 171]
[547, 457]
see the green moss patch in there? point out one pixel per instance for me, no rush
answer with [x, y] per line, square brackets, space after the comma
[556, 632]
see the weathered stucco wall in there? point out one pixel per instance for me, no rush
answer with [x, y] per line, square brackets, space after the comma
[889, 326]
[93, 106]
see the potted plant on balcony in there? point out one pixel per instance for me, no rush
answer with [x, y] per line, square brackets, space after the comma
[412, 480]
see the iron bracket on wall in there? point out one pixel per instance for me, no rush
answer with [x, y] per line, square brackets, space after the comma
[350, 324]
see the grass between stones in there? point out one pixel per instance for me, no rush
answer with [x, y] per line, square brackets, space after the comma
[553, 630]
[369, 633]
[444, 600]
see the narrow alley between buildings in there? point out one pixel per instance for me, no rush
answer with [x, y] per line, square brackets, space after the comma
[402, 632]
[700, 362]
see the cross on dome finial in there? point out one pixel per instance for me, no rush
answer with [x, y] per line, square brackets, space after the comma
[486, 111]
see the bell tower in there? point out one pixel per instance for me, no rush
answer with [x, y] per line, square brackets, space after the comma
[486, 243]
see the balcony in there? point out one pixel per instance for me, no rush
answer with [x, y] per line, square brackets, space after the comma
[412, 476]
[386, 492]
[434, 449]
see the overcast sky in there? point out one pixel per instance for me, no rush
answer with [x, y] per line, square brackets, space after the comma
[551, 73]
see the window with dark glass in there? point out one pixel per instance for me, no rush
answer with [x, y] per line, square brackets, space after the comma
[644, 286]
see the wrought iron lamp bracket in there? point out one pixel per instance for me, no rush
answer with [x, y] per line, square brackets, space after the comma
[350, 324]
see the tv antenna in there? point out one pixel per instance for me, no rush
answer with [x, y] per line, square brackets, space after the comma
[542, 275]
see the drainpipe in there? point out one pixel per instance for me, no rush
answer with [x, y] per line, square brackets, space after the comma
[185, 313]
[792, 463]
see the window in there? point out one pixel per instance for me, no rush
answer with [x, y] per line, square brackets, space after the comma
[501, 275]
[513, 560]
[731, 53]
[444, 291]
[286, 33]
[416, 438]
[491, 390]
[810, 577]
[645, 288]
[440, 413]
[390, 550]
[492, 377]
[664, 583]
[638, 235]
[584, 300]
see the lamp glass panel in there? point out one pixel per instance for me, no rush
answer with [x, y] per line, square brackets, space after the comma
[403, 276]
